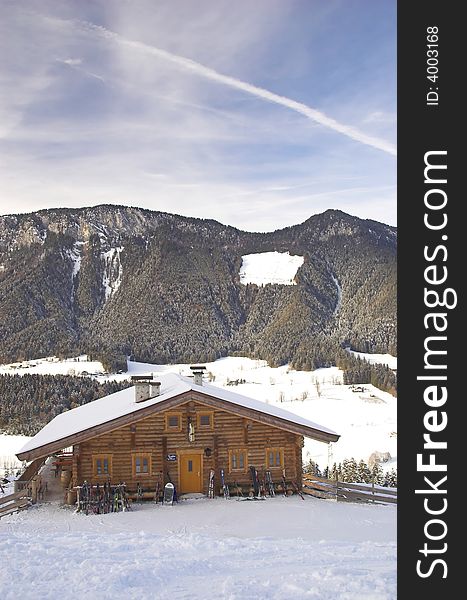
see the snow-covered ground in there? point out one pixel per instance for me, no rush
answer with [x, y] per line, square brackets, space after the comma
[270, 267]
[366, 421]
[51, 365]
[198, 549]
[279, 548]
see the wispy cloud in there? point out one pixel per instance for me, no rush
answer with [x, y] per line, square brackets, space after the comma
[208, 73]
[117, 114]
[75, 63]
[70, 61]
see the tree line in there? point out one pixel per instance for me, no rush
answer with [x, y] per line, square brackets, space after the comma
[351, 471]
[28, 402]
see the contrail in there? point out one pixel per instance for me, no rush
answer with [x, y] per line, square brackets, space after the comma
[208, 73]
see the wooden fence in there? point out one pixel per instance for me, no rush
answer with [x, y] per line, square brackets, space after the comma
[27, 489]
[333, 489]
[14, 502]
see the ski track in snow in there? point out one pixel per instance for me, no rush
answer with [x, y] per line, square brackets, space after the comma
[279, 548]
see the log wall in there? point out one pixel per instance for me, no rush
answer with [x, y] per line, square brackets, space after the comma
[149, 436]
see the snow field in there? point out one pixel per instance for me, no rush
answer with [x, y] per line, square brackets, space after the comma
[51, 365]
[273, 549]
[270, 267]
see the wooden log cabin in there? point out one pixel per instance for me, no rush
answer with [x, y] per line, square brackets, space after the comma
[178, 428]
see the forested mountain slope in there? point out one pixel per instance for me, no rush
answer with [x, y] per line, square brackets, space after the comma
[112, 281]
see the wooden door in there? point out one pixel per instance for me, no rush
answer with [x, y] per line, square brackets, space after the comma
[190, 473]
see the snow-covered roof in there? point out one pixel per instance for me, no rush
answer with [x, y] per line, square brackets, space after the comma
[123, 403]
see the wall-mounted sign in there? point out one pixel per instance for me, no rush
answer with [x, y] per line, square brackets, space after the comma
[171, 457]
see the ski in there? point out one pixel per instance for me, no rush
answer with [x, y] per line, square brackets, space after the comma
[270, 484]
[296, 488]
[211, 484]
[225, 487]
[157, 491]
[284, 484]
[262, 483]
[239, 490]
[255, 480]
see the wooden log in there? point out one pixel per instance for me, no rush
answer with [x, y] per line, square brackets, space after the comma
[354, 496]
[15, 496]
[320, 486]
[319, 494]
[309, 477]
[14, 507]
[367, 488]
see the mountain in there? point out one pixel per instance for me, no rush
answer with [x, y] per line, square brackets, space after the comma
[114, 281]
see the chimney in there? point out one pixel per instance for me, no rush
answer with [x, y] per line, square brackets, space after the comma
[145, 387]
[198, 372]
[155, 389]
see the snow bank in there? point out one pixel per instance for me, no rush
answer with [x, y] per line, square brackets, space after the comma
[270, 267]
[279, 548]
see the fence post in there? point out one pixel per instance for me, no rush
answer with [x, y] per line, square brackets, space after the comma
[34, 490]
[373, 490]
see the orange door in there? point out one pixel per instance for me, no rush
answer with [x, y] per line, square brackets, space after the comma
[190, 473]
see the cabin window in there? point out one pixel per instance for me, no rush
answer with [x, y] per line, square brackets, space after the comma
[275, 458]
[102, 465]
[206, 420]
[173, 422]
[238, 460]
[141, 464]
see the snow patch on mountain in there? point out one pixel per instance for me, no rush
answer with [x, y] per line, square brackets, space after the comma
[270, 267]
[74, 254]
[112, 271]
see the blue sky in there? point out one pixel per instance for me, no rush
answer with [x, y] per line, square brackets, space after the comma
[257, 114]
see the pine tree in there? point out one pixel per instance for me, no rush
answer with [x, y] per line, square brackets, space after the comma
[364, 472]
[349, 470]
[377, 474]
[390, 478]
